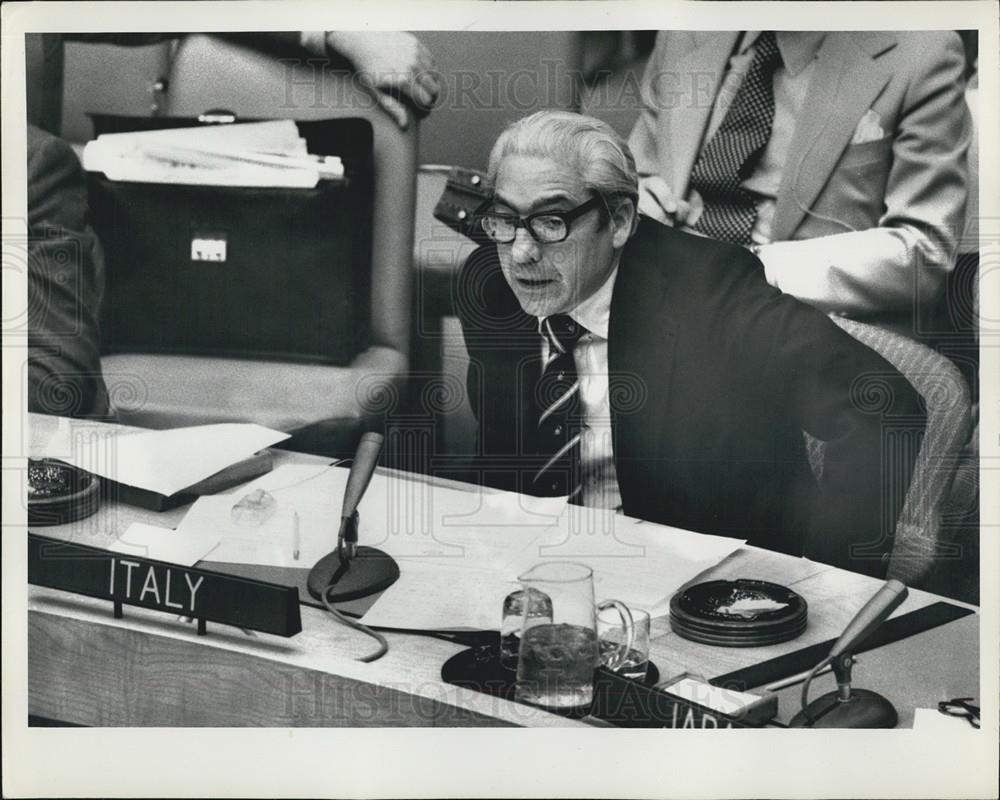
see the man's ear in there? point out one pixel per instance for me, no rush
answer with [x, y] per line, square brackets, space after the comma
[623, 223]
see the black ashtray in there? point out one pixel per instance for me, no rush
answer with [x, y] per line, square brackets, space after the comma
[740, 613]
[59, 493]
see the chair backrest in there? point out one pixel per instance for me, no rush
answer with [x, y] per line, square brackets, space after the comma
[209, 73]
[110, 79]
[920, 543]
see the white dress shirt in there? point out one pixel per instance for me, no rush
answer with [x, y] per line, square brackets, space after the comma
[600, 481]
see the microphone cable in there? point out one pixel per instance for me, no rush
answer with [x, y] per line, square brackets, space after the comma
[805, 689]
[383, 643]
[467, 638]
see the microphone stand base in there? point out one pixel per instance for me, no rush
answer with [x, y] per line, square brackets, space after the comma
[369, 572]
[865, 709]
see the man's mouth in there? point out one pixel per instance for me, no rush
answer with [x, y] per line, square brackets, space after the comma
[534, 283]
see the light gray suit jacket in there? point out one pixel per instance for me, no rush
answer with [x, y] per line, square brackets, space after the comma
[871, 201]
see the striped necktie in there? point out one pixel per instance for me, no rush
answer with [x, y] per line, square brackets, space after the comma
[734, 150]
[557, 395]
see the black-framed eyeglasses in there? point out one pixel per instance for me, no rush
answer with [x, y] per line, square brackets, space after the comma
[961, 707]
[547, 227]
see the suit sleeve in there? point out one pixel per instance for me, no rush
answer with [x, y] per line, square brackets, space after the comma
[906, 258]
[65, 285]
[643, 138]
[841, 392]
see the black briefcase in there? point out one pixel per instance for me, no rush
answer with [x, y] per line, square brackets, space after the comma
[264, 273]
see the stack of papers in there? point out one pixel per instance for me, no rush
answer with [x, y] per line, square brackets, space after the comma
[241, 154]
[159, 461]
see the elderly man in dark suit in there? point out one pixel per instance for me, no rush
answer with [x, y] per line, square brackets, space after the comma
[630, 365]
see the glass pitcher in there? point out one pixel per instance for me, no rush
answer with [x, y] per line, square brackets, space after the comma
[557, 658]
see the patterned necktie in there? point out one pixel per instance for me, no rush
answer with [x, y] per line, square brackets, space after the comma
[732, 153]
[557, 395]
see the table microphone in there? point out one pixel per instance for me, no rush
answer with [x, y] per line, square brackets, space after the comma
[846, 707]
[351, 571]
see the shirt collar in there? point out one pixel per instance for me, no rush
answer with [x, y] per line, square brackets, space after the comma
[594, 313]
[797, 48]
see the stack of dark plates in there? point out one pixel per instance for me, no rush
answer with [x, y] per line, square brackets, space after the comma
[741, 613]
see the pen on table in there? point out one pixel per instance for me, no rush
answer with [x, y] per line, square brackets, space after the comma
[296, 538]
[784, 683]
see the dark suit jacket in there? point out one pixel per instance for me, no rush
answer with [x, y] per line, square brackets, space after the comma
[713, 375]
[65, 285]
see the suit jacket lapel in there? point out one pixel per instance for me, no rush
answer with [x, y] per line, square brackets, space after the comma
[505, 346]
[699, 74]
[525, 363]
[848, 77]
[642, 338]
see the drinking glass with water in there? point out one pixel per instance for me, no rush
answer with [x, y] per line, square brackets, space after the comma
[522, 610]
[628, 660]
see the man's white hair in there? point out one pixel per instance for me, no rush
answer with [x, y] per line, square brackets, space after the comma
[592, 148]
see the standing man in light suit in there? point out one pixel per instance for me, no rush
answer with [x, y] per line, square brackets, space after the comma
[840, 158]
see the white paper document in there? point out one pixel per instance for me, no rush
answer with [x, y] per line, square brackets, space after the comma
[160, 461]
[442, 598]
[273, 542]
[459, 552]
[312, 491]
[243, 154]
[639, 563]
[278, 134]
[164, 544]
[410, 520]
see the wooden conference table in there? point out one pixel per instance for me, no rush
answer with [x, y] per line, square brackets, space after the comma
[150, 669]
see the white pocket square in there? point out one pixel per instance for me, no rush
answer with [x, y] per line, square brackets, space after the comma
[869, 128]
